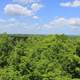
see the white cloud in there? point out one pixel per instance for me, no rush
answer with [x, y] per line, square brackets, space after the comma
[26, 1]
[36, 6]
[75, 3]
[68, 4]
[14, 26]
[17, 9]
[35, 17]
[74, 21]
[61, 22]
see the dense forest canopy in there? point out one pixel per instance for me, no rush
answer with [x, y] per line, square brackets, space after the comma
[39, 57]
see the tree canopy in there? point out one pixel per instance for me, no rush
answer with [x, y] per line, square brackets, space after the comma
[39, 57]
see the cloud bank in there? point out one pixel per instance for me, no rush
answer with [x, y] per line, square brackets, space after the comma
[56, 25]
[62, 22]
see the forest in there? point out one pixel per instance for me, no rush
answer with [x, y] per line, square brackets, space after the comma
[39, 57]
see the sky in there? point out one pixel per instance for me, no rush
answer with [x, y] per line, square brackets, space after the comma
[40, 17]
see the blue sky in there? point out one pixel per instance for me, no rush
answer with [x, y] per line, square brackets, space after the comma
[40, 16]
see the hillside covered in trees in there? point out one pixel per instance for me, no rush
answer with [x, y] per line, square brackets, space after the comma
[39, 57]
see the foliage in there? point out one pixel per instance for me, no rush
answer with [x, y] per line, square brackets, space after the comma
[39, 57]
